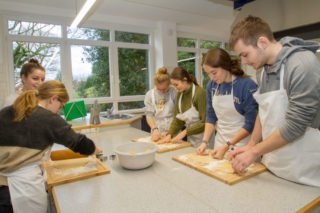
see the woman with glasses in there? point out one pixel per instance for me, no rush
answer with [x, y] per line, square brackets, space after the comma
[28, 128]
[32, 75]
[231, 108]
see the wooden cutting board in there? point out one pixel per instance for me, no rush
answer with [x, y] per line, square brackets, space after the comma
[165, 147]
[66, 171]
[219, 169]
[311, 207]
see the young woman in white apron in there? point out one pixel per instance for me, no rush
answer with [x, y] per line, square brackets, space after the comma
[231, 109]
[189, 111]
[159, 104]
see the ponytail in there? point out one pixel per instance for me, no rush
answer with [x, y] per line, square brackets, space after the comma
[181, 74]
[24, 105]
[218, 57]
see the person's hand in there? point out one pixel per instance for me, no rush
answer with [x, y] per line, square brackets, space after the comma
[155, 135]
[165, 139]
[98, 150]
[243, 159]
[237, 151]
[219, 152]
[201, 149]
[178, 137]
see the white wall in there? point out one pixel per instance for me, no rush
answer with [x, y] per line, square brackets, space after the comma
[283, 14]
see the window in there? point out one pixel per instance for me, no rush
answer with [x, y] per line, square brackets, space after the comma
[186, 42]
[90, 71]
[187, 61]
[190, 52]
[133, 71]
[89, 34]
[47, 54]
[33, 29]
[132, 37]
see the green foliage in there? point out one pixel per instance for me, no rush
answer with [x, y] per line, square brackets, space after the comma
[187, 61]
[132, 37]
[133, 70]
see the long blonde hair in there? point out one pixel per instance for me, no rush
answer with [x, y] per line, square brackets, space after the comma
[161, 76]
[28, 101]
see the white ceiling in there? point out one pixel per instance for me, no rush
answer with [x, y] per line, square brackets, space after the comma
[203, 16]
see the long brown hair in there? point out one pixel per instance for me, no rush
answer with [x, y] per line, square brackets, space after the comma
[181, 74]
[218, 57]
[28, 101]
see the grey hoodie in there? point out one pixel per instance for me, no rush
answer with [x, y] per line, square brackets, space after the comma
[302, 82]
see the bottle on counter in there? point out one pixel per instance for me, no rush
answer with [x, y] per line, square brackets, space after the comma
[95, 113]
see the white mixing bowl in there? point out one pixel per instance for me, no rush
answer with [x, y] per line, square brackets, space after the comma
[136, 155]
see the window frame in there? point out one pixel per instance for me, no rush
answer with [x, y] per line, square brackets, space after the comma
[65, 44]
[198, 52]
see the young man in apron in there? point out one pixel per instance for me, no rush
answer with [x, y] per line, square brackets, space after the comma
[231, 108]
[289, 102]
[189, 111]
[159, 104]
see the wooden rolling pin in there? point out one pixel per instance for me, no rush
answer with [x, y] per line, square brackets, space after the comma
[65, 154]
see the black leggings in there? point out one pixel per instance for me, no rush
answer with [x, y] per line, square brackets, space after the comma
[5, 201]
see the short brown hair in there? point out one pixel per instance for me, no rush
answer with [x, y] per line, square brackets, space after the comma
[249, 30]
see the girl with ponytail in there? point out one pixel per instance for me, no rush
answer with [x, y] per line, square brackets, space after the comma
[159, 104]
[231, 108]
[28, 129]
[190, 109]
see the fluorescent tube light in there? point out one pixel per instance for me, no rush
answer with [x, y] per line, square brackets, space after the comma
[83, 12]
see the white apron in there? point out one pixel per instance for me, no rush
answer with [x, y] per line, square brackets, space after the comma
[190, 117]
[162, 116]
[299, 160]
[230, 121]
[27, 189]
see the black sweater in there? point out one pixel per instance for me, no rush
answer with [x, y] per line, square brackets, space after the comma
[25, 142]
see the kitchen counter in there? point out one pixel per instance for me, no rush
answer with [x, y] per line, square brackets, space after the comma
[84, 123]
[168, 186]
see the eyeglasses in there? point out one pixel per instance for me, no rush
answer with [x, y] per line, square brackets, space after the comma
[62, 103]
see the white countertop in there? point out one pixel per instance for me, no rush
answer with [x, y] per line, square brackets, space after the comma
[168, 186]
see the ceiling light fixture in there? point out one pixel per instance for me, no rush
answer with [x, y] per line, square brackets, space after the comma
[83, 14]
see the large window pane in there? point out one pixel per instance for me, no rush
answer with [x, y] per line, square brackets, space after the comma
[89, 34]
[133, 71]
[131, 105]
[209, 44]
[103, 107]
[34, 29]
[90, 71]
[132, 37]
[187, 61]
[47, 54]
[186, 42]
